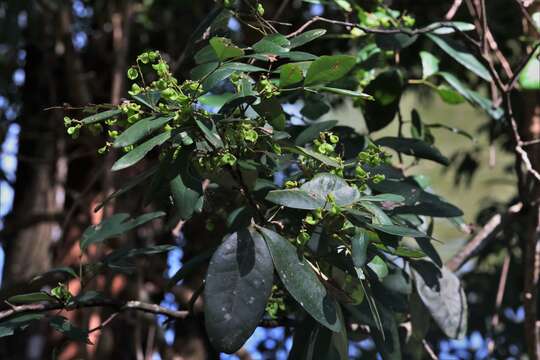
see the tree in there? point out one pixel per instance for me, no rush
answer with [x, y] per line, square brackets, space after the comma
[290, 221]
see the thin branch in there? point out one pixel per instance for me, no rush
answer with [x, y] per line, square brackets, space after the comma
[524, 62]
[453, 10]
[119, 305]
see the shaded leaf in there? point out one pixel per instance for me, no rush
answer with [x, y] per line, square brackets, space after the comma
[225, 49]
[386, 89]
[238, 284]
[359, 244]
[465, 58]
[301, 281]
[61, 324]
[290, 74]
[210, 133]
[31, 298]
[272, 44]
[414, 147]
[446, 301]
[18, 322]
[114, 226]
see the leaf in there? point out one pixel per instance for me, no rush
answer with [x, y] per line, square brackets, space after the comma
[463, 57]
[123, 254]
[210, 134]
[61, 324]
[312, 132]
[380, 215]
[324, 185]
[237, 66]
[114, 226]
[205, 55]
[452, 129]
[379, 267]
[473, 97]
[18, 322]
[383, 198]
[271, 110]
[398, 230]
[102, 116]
[225, 49]
[312, 341]
[290, 74]
[65, 269]
[301, 281]
[345, 92]
[430, 64]
[394, 42]
[359, 243]
[30, 298]
[414, 147]
[529, 77]
[428, 248]
[189, 267]
[148, 98]
[448, 27]
[272, 44]
[137, 154]
[329, 68]
[238, 285]
[386, 89]
[128, 185]
[213, 79]
[139, 130]
[446, 301]
[306, 37]
[449, 96]
[186, 200]
[202, 71]
[296, 199]
[326, 160]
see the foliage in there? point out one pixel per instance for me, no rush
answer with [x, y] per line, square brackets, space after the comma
[345, 236]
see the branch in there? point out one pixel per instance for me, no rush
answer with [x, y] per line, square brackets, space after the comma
[120, 306]
[482, 238]
[453, 10]
[410, 32]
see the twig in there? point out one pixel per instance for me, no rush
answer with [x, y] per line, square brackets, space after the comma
[453, 10]
[119, 305]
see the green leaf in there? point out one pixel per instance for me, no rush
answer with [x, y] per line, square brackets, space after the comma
[238, 285]
[203, 71]
[345, 92]
[205, 55]
[61, 324]
[398, 230]
[448, 27]
[217, 76]
[312, 341]
[114, 226]
[139, 130]
[125, 254]
[189, 267]
[430, 64]
[296, 199]
[102, 116]
[529, 77]
[359, 243]
[271, 110]
[272, 44]
[128, 185]
[344, 4]
[65, 269]
[379, 267]
[329, 68]
[210, 134]
[326, 160]
[290, 74]
[301, 281]
[446, 301]
[186, 200]
[414, 147]
[148, 98]
[449, 96]
[237, 66]
[463, 57]
[380, 215]
[452, 129]
[383, 198]
[386, 89]
[18, 322]
[312, 132]
[137, 154]
[394, 42]
[473, 97]
[225, 49]
[324, 185]
[30, 298]
[306, 37]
